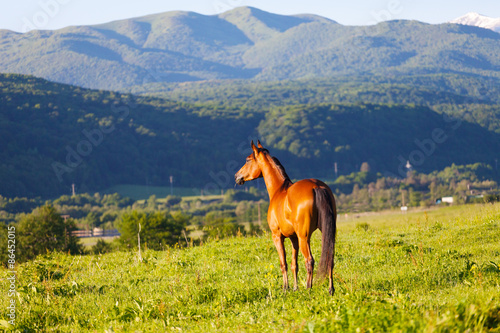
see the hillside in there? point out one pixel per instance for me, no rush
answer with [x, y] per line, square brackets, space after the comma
[244, 43]
[469, 97]
[385, 136]
[424, 89]
[55, 135]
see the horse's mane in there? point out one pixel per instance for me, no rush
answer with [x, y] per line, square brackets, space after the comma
[279, 167]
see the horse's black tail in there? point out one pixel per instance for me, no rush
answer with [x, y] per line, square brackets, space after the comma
[327, 223]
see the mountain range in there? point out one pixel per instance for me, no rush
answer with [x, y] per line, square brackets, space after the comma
[244, 43]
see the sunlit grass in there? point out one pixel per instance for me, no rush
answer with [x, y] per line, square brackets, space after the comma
[91, 241]
[422, 271]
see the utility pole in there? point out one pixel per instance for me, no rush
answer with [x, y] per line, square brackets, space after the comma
[139, 242]
[171, 182]
[409, 167]
[73, 190]
[404, 208]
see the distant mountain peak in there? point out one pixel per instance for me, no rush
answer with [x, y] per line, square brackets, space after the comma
[261, 25]
[248, 10]
[478, 20]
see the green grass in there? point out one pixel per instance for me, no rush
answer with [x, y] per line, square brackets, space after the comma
[142, 192]
[91, 241]
[435, 271]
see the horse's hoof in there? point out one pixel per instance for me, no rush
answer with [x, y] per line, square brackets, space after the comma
[332, 291]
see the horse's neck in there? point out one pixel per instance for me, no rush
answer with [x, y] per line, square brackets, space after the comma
[273, 178]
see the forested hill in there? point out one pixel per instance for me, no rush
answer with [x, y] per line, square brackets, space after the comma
[53, 135]
[244, 43]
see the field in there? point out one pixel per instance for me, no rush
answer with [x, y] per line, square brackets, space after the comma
[140, 192]
[434, 271]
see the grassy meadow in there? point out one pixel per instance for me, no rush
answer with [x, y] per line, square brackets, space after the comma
[424, 271]
[141, 192]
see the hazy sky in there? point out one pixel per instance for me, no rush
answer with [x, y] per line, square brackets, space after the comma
[53, 14]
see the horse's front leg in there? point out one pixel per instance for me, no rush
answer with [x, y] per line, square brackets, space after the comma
[279, 241]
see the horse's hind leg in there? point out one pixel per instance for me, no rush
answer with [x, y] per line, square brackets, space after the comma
[331, 288]
[279, 240]
[305, 248]
[295, 254]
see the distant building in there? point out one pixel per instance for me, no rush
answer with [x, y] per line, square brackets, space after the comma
[445, 199]
[475, 198]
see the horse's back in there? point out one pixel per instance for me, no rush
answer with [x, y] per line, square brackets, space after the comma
[304, 189]
[300, 206]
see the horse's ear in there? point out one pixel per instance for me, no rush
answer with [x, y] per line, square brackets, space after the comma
[255, 149]
[259, 144]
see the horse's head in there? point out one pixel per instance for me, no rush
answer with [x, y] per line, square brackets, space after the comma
[251, 170]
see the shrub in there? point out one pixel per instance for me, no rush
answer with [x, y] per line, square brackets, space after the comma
[233, 195]
[363, 226]
[491, 198]
[173, 200]
[101, 247]
[222, 228]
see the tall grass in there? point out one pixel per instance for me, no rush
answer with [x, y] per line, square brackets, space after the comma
[435, 271]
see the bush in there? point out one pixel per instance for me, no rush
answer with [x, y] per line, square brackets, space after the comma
[233, 195]
[491, 198]
[173, 200]
[101, 247]
[363, 226]
[222, 228]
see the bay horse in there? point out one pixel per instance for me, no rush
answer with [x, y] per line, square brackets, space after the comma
[296, 210]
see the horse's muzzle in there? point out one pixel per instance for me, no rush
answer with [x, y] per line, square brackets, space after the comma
[239, 179]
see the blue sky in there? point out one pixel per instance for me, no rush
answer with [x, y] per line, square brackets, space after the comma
[53, 14]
